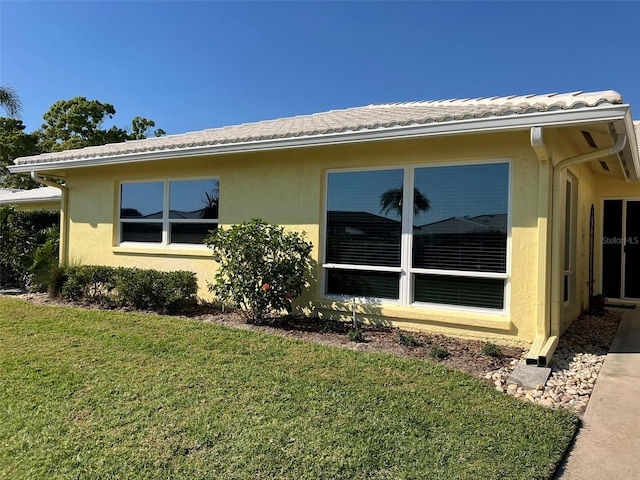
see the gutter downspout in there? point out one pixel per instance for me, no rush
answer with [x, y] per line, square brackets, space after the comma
[63, 251]
[547, 337]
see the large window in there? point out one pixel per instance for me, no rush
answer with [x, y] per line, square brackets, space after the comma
[169, 211]
[431, 235]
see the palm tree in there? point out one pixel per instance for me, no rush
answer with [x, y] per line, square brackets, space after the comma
[391, 201]
[10, 101]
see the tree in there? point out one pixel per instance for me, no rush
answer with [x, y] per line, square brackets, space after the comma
[78, 123]
[141, 129]
[10, 101]
[14, 143]
[391, 202]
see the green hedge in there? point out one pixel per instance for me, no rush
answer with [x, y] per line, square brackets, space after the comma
[165, 292]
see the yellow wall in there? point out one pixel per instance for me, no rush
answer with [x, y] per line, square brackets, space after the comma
[287, 188]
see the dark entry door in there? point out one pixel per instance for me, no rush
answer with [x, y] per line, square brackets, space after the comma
[632, 250]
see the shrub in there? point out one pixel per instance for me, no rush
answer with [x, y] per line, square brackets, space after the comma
[21, 234]
[438, 352]
[407, 340]
[155, 290]
[490, 349]
[262, 267]
[128, 287]
[356, 335]
[45, 259]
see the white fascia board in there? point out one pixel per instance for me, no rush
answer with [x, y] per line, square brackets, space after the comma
[20, 201]
[456, 127]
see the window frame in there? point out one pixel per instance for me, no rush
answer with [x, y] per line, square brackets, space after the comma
[406, 270]
[165, 221]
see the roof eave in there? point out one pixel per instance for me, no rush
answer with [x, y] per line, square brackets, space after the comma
[608, 113]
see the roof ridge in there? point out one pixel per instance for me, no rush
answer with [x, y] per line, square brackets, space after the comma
[604, 94]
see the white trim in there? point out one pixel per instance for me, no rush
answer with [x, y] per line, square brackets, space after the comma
[365, 268]
[458, 273]
[608, 113]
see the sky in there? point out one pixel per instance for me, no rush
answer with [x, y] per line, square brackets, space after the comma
[204, 64]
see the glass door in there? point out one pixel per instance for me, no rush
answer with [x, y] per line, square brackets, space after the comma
[632, 250]
[621, 249]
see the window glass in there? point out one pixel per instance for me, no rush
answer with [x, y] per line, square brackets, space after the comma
[193, 211]
[141, 200]
[364, 217]
[466, 291]
[363, 284]
[193, 233]
[460, 218]
[193, 199]
[141, 232]
[459, 223]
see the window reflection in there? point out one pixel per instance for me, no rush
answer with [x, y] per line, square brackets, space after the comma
[361, 231]
[141, 200]
[189, 199]
[465, 227]
[193, 211]
[459, 222]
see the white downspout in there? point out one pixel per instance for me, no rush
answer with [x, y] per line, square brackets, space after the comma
[546, 339]
[62, 254]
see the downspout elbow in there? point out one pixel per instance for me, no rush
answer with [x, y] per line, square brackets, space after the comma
[40, 179]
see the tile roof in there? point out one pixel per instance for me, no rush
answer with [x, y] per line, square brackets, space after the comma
[16, 196]
[368, 118]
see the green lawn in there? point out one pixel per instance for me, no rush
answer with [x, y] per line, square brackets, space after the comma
[95, 394]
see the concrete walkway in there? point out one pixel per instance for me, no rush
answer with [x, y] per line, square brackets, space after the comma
[608, 444]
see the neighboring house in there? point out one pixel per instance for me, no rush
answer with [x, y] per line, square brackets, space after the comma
[45, 198]
[500, 250]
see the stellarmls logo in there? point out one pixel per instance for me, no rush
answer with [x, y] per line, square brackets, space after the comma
[618, 241]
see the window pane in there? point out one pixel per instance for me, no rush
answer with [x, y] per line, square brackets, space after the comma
[467, 291]
[141, 200]
[364, 218]
[194, 199]
[363, 284]
[193, 233]
[460, 218]
[141, 232]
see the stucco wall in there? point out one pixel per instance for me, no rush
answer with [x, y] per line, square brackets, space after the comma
[287, 187]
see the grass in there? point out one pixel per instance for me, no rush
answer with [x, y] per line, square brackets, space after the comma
[95, 394]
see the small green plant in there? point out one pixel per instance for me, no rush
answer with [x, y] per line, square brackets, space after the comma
[438, 351]
[490, 349]
[356, 335]
[407, 340]
[262, 267]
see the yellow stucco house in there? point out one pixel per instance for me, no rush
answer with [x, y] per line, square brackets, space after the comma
[467, 217]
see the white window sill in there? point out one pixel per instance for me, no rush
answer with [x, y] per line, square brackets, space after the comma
[155, 250]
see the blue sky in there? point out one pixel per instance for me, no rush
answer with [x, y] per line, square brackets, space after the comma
[203, 64]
